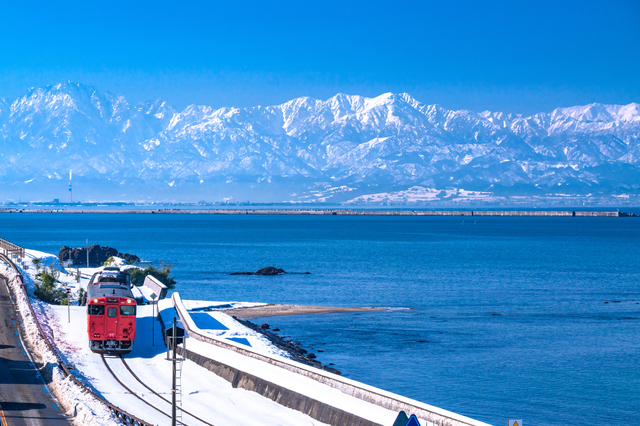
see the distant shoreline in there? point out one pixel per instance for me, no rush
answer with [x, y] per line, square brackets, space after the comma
[278, 309]
[342, 212]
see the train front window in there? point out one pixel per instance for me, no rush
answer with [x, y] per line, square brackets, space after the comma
[127, 310]
[96, 309]
[112, 312]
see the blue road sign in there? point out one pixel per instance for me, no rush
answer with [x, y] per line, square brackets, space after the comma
[401, 420]
[413, 421]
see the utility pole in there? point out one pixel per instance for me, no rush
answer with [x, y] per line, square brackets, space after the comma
[68, 291]
[153, 322]
[87, 252]
[173, 340]
[174, 344]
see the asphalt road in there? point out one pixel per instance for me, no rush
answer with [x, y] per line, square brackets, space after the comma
[24, 399]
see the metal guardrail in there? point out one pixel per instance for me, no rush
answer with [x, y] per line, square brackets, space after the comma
[10, 262]
[122, 415]
[11, 248]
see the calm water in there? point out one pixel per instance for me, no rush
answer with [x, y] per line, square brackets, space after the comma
[508, 315]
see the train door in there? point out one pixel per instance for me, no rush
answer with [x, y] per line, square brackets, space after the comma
[96, 321]
[111, 323]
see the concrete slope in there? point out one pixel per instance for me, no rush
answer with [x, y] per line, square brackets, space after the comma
[24, 399]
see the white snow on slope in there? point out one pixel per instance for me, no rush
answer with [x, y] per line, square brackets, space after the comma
[296, 382]
[390, 141]
[204, 393]
[203, 305]
[83, 408]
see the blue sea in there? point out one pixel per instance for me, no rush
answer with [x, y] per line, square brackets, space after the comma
[493, 318]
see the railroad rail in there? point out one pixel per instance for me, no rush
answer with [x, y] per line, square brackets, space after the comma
[135, 376]
[128, 389]
[122, 415]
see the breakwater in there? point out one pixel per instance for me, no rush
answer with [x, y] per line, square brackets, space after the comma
[340, 212]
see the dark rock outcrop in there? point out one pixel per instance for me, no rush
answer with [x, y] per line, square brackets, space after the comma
[269, 270]
[97, 255]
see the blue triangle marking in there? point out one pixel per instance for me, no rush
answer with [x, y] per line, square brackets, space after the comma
[413, 421]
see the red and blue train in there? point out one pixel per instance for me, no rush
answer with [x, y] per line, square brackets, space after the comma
[111, 312]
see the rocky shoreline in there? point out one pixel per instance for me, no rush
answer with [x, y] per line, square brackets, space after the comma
[293, 349]
[296, 352]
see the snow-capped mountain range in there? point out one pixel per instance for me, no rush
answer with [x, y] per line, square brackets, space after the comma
[307, 149]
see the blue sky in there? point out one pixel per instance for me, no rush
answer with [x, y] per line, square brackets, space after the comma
[509, 56]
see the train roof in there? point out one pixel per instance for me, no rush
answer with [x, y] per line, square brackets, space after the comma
[108, 290]
[109, 282]
[111, 274]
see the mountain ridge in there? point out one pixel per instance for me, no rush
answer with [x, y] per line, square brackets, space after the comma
[303, 149]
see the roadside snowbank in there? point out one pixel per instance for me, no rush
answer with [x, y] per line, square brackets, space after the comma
[82, 407]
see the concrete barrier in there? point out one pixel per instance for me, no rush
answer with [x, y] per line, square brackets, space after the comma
[597, 214]
[337, 212]
[379, 397]
[239, 379]
[156, 287]
[518, 213]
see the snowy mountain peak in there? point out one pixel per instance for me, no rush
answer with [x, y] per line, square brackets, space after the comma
[602, 113]
[315, 149]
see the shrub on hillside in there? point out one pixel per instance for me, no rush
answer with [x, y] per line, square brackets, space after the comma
[46, 288]
[110, 261]
[162, 274]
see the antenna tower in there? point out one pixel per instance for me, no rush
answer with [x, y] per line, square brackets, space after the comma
[70, 190]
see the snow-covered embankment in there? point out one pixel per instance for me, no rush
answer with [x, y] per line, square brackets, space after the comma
[322, 395]
[81, 407]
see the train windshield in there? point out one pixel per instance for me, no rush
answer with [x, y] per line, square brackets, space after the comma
[96, 309]
[127, 310]
[112, 312]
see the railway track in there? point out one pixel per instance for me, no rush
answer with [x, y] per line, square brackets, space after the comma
[199, 421]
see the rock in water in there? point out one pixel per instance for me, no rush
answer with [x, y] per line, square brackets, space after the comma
[270, 270]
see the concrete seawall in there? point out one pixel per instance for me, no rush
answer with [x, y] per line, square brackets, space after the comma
[340, 212]
[327, 413]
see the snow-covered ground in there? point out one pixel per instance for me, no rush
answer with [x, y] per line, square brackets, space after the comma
[83, 408]
[418, 194]
[207, 305]
[204, 394]
[218, 324]
[280, 376]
